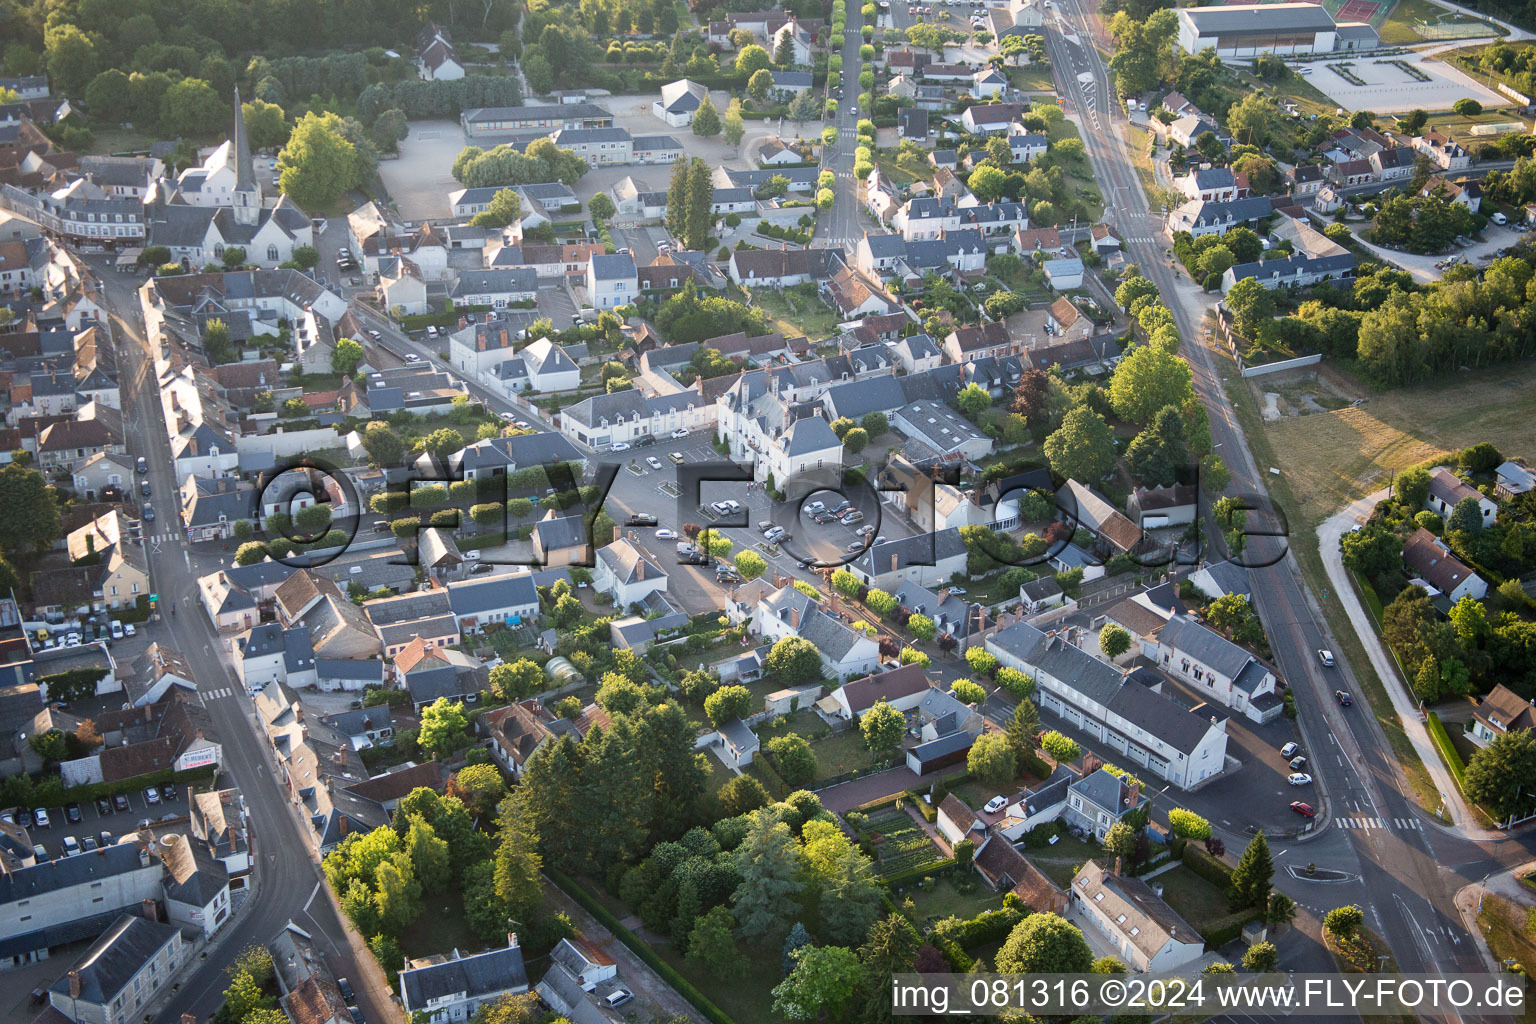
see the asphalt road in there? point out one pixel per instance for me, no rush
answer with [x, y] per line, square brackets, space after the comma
[1406, 870]
[287, 874]
[840, 225]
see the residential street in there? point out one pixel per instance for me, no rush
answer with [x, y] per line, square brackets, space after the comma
[288, 881]
[840, 225]
[1406, 875]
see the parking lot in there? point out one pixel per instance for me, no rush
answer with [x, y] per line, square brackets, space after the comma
[116, 823]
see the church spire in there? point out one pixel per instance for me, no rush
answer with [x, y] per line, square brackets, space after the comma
[247, 192]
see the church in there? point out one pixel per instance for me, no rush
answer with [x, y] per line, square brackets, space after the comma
[219, 206]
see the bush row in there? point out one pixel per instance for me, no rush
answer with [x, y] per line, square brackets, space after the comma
[668, 973]
[52, 792]
[934, 869]
[1207, 867]
[987, 926]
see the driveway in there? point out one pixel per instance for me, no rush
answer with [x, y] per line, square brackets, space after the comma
[654, 998]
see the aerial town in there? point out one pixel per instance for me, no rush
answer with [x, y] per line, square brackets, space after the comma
[696, 513]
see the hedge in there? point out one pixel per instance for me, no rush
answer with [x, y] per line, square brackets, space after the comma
[885, 801]
[1207, 867]
[1227, 931]
[1447, 752]
[668, 973]
[987, 926]
[769, 776]
[91, 791]
[932, 869]
[421, 321]
[75, 684]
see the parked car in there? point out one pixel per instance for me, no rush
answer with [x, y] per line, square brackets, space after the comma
[120, 802]
[1299, 779]
[103, 806]
[679, 432]
[128, 629]
[117, 629]
[105, 839]
[1326, 657]
[40, 817]
[144, 488]
[71, 846]
[142, 466]
[168, 791]
[431, 330]
[724, 508]
[813, 508]
[346, 990]
[1290, 750]
[865, 531]
[653, 462]
[619, 446]
[1305, 810]
[676, 457]
[72, 813]
[618, 997]
[149, 513]
[996, 804]
[40, 855]
[1344, 699]
[775, 535]
[89, 845]
[1298, 762]
[641, 519]
[151, 795]
[665, 534]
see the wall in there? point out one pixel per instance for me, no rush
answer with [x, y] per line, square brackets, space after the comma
[1286, 364]
[291, 443]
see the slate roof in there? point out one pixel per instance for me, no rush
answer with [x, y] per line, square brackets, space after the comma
[476, 975]
[1184, 634]
[504, 590]
[561, 532]
[1253, 18]
[862, 694]
[118, 955]
[196, 876]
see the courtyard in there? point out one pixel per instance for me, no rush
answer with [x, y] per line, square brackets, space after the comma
[1391, 85]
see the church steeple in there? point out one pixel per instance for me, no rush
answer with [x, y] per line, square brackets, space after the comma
[247, 193]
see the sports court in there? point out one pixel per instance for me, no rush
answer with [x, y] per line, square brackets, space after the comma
[1384, 85]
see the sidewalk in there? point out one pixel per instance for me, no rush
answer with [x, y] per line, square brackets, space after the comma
[1403, 703]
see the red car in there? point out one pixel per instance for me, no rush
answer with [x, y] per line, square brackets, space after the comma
[1305, 810]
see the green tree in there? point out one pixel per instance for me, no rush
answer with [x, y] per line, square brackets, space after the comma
[1251, 304]
[1261, 958]
[701, 197]
[794, 660]
[727, 703]
[712, 945]
[922, 627]
[991, 758]
[1083, 448]
[1251, 119]
[749, 61]
[1045, 943]
[443, 442]
[1502, 776]
[972, 401]
[794, 758]
[768, 860]
[429, 857]
[855, 440]
[1466, 517]
[319, 163]
[706, 120]
[519, 882]
[32, 509]
[1146, 381]
[1023, 728]
[443, 725]
[1188, 825]
[71, 58]
[760, 84]
[1411, 487]
[398, 895]
[346, 357]
[750, 564]
[250, 553]
[601, 207]
[480, 786]
[191, 107]
[384, 447]
[846, 893]
[1252, 878]
[505, 207]
[742, 794]
[1062, 748]
[824, 983]
[1114, 641]
[1120, 840]
[1345, 922]
[882, 727]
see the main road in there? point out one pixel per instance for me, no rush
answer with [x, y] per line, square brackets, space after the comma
[288, 881]
[1405, 869]
[839, 226]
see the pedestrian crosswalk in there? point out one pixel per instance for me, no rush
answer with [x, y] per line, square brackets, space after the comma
[1406, 824]
[221, 692]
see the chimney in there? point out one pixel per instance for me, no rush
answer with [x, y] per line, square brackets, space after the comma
[511, 939]
[74, 983]
[150, 909]
[794, 618]
[1117, 867]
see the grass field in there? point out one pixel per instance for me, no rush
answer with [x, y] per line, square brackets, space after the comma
[903, 168]
[1265, 445]
[1398, 28]
[1331, 458]
[796, 312]
[1197, 901]
[1136, 142]
[1508, 928]
[1079, 172]
[943, 900]
[439, 928]
[1032, 78]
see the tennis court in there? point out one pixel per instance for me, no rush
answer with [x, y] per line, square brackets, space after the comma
[1358, 10]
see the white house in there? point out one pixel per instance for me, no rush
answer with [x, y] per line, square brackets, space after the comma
[1181, 746]
[452, 987]
[612, 281]
[495, 288]
[902, 688]
[1446, 490]
[680, 100]
[1432, 563]
[505, 599]
[800, 42]
[1146, 932]
[788, 612]
[625, 573]
[1503, 710]
[1214, 666]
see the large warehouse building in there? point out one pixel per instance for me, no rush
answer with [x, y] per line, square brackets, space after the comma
[1283, 29]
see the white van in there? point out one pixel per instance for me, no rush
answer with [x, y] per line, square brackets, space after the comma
[1499, 218]
[117, 629]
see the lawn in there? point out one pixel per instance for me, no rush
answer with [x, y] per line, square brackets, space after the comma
[1061, 861]
[944, 900]
[1329, 459]
[903, 168]
[1508, 928]
[841, 752]
[799, 311]
[1398, 28]
[1079, 172]
[746, 998]
[439, 928]
[1199, 902]
[1032, 78]
[1136, 143]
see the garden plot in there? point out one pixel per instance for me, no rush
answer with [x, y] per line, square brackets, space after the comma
[898, 843]
[1386, 86]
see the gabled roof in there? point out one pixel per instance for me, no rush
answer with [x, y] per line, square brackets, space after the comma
[862, 694]
[1449, 488]
[116, 958]
[1129, 905]
[1427, 556]
[475, 977]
